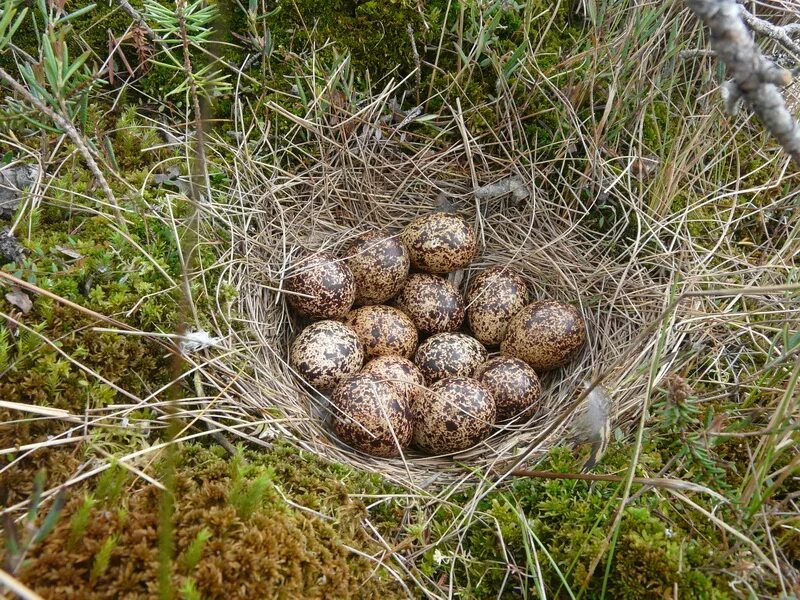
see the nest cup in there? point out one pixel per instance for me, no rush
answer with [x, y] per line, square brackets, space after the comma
[536, 227]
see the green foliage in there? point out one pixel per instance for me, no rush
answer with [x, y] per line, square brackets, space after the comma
[102, 558]
[195, 550]
[11, 18]
[5, 348]
[80, 520]
[679, 414]
[110, 485]
[189, 591]
[559, 527]
[19, 540]
[374, 33]
[181, 29]
[246, 496]
[134, 142]
[57, 80]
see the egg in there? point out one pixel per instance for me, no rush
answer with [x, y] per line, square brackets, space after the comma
[514, 385]
[400, 372]
[545, 334]
[323, 287]
[434, 304]
[449, 355]
[326, 353]
[493, 297]
[456, 413]
[380, 263]
[439, 243]
[372, 415]
[384, 330]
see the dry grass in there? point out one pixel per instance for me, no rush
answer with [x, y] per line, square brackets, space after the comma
[366, 182]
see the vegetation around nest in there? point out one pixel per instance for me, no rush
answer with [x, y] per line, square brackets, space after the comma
[154, 443]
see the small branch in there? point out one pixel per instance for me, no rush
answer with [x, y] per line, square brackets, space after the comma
[777, 32]
[792, 28]
[21, 52]
[659, 482]
[695, 53]
[12, 584]
[134, 14]
[417, 63]
[76, 138]
[755, 78]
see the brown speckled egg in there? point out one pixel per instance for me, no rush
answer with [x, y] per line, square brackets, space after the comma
[514, 385]
[455, 414]
[372, 415]
[494, 296]
[400, 372]
[384, 330]
[380, 264]
[433, 303]
[321, 287]
[326, 353]
[545, 334]
[449, 355]
[439, 243]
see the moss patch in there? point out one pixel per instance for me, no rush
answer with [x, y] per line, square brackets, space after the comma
[569, 522]
[271, 550]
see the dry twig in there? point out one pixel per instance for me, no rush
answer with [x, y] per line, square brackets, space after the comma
[754, 78]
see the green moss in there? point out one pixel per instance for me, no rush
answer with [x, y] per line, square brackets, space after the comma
[569, 523]
[374, 33]
[53, 356]
[273, 551]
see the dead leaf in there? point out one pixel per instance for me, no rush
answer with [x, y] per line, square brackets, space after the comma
[21, 300]
[69, 252]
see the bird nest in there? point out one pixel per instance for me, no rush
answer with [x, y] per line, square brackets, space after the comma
[337, 175]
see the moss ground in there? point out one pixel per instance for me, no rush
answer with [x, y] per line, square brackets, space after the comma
[235, 536]
[234, 533]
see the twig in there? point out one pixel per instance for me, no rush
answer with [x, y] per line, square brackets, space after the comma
[21, 52]
[695, 53]
[659, 482]
[134, 14]
[780, 34]
[722, 524]
[76, 138]
[20, 589]
[417, 63]
[755, 78]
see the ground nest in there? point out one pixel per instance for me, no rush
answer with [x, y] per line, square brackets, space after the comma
[533, 219]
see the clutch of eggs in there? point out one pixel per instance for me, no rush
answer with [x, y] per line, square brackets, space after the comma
[425, 383]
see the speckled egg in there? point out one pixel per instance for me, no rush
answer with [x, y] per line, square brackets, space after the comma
[380, 263]
[321, 287]
[449, 355]
[456, 413]
[433, 303]
[400, 372]
[545, 334]
[439, 243]
[326, 353]
[514, 385]
[493, 297]
[384, 330]
[372, 415]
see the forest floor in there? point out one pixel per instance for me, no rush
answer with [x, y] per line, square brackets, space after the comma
[120, 476]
